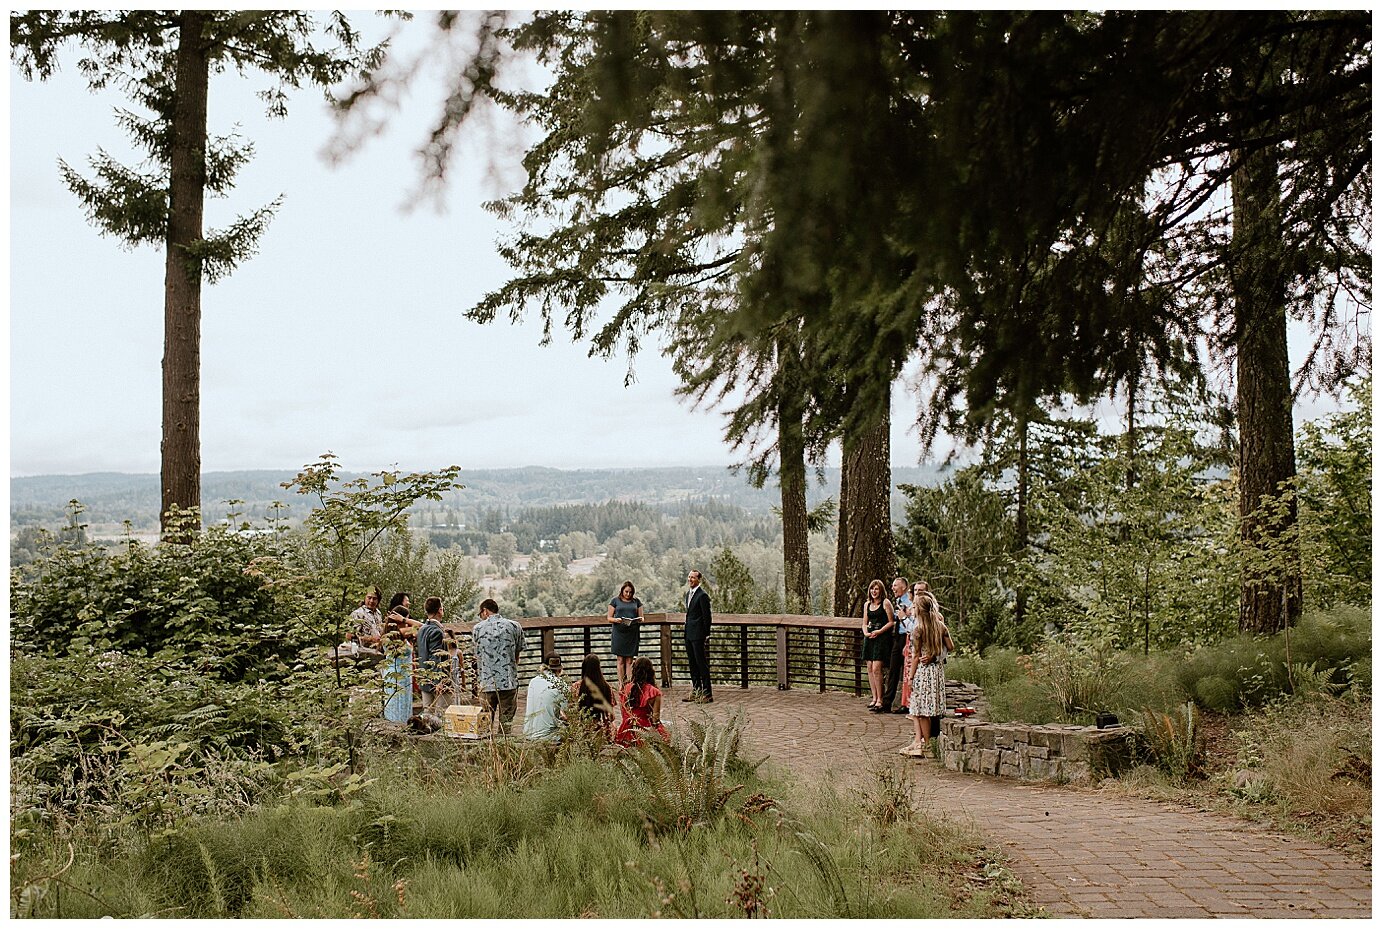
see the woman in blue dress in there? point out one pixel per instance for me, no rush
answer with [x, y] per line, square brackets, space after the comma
[625, 616]
[398, 669]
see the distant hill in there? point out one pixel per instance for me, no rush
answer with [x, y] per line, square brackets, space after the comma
[110, 498]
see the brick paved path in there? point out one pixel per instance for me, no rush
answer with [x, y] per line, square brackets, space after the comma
[1079, 852]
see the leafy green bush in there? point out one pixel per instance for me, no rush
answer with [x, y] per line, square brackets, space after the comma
[997, 666]
[142, 740]
[168, 601]
[1249, 671]
[1067, 681]
[1172, 742]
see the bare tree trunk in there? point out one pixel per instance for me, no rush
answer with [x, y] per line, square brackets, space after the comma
[864, 550]
[1266, 441]
[182, 281]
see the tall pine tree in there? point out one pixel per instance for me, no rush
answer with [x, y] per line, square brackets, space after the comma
[164, 60]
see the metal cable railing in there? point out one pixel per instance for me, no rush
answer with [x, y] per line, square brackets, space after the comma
[782, 650]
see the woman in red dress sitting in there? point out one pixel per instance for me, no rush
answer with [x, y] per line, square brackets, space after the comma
[642, 703]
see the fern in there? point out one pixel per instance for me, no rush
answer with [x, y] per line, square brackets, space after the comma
[688, 785]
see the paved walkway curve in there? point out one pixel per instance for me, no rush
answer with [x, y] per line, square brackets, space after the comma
[1079, 852]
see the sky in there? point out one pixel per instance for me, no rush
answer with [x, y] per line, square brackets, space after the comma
[345, 334]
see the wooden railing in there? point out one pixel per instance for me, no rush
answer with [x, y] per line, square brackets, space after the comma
[785, 650]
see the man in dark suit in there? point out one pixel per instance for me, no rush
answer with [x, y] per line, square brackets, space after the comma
[698, 639]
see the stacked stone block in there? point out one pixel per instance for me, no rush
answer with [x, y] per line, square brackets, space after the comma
[958, 693]
[1064, 754]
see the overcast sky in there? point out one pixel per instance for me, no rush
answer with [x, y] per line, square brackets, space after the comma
[346, 333]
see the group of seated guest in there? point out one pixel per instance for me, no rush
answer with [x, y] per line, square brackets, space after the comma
[553, 705]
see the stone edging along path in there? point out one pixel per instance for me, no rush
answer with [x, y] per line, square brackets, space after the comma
[1079, 852]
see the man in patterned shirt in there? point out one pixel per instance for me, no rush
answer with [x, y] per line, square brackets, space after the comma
[498, 643]
[367, 622]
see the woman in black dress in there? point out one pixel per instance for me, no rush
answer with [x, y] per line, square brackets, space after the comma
[626, 616]
[877, 628]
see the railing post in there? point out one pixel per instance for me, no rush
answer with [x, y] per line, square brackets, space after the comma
[744, 657]
[549, 642]
[784, 671]
[858, 639]
[820, 660]
[666, 642]
[587, 642]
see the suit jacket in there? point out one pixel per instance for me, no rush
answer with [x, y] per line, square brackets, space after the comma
[698, 615]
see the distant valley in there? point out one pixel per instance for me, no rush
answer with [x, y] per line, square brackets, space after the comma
[109, 499]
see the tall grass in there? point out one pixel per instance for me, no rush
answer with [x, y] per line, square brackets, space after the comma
[1065, 681]
[1306, 758]
[565, 841]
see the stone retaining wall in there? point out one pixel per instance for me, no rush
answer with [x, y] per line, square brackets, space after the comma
[958, 693]
[1065, 754]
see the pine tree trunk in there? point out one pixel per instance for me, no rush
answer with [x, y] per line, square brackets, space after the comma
[796, 554]
[1020, 530]
[864, 550]
[181, 447]
[1266, 443]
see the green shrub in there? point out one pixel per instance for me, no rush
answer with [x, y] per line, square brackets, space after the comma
[1217, 693]
[564, 843]
[1023, 699]
[1066, 681]
[995, 667]
[1250, 671]
[169, 601]
[1172, 742]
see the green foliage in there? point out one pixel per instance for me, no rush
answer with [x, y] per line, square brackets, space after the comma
[958, 538]
[139, 51]
[150, 741]
[1137, 550]
[1306, 759]
[734, 587]
[1067, 681]
[1172, 742]
[163, 600]
[996, 666]
[888, 798]
[688, 783]
[344, 533]
[1248, 671]
[162, 682]
[1335, 461]
[415, 844]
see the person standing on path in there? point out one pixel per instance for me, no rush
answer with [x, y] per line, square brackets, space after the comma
[902, 607]
[877, 625]
[931, 643]
[626, 617]
[698, 639]
[498, 643]
[908, 623]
